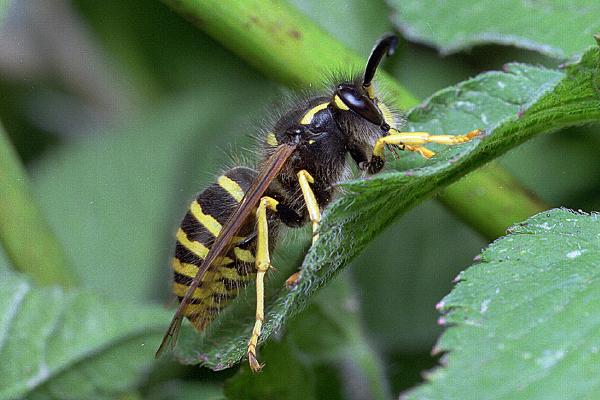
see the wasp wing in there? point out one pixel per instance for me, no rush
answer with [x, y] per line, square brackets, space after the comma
[269, 171]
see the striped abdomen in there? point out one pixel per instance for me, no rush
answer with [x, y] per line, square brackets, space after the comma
[199, 228]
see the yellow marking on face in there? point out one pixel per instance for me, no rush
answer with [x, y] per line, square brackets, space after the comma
[232, 187]
[388, 117]
[339, 103]
[311, 141]
[271, 139]
[243, 255]
[208, 221]
[310, 114]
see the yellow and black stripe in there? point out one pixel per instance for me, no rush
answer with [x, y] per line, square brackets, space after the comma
[199, 228]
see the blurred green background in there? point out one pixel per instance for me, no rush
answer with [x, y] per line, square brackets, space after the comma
[122, 110]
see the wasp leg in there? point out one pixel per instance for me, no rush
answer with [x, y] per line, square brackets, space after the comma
[417, 139]
[263, 263]
[413, 142]
[314, 213]
[423, 151]
[305, 179]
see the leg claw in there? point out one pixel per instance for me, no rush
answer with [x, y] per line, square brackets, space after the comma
[255, 366]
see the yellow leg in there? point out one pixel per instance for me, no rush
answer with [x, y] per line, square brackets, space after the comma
[415, 139]
[263, 262]
[423, 151]
[305, 179]
[314, 213]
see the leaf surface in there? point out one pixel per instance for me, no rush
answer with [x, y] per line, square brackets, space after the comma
[554, 27]
[523, 321]
[66, 344]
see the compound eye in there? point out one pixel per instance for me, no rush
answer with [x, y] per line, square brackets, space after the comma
[360, 104]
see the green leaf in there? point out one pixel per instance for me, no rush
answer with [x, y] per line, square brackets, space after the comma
[555, 27]
[71, 344]
[513, 106]
[523, 320]
[186, 390]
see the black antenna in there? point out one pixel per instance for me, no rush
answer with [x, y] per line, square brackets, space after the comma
[386, 45]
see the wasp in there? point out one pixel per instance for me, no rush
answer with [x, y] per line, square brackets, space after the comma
[229, 230]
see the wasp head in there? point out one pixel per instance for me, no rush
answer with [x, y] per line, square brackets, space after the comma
[359, 97]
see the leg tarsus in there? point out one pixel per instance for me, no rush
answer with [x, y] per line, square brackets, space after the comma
[423, 151]
[413, 141]
[255, 366]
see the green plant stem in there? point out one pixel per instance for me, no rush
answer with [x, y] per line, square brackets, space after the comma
[368, 361]
[493, 197]
[362, 355]
[25, 235]
[286, 45]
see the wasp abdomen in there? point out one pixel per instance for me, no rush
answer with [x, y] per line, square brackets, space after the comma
[200, 226]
